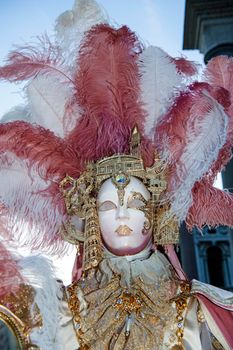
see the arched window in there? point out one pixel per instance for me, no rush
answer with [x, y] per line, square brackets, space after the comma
[215, 266]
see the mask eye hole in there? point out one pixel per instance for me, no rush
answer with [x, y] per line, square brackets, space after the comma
[107, 205]
[136, 204]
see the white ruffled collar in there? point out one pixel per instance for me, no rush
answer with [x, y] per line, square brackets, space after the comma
[149, 265]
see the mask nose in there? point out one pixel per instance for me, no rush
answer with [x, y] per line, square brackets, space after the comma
[122, 212]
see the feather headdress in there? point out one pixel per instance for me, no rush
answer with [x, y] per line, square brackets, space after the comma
[83, 109]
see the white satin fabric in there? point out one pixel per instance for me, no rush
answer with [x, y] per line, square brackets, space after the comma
[196, 334]
[218, 296]
[66, 332]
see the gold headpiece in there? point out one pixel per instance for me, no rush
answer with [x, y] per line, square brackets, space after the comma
[80, 199]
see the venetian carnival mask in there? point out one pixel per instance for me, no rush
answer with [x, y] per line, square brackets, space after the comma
[125, 229]
[120, 202]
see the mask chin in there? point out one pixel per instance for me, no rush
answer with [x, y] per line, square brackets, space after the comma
[127, 249]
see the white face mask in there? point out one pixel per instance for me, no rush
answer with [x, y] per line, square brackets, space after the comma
[122, 227]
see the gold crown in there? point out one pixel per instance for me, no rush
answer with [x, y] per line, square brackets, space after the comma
[77, 191]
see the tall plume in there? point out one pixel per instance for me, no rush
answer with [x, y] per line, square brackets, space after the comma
[159, 82]
[190, 139]
[50, 85]
[71, 26]
[108, 91]
[219, 72]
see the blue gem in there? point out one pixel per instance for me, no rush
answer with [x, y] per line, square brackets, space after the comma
[120, 178]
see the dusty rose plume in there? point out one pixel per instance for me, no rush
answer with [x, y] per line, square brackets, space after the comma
[108, 92]
[50, 154]
[26, 62]
[219, 73]
[211, 206]
[46, 159]
[9, 271]
[184, 66]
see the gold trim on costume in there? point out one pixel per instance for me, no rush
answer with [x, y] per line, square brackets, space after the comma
[181, 302]
[19, 312]
[113, 317]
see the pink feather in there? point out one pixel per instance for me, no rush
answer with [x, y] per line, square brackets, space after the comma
[171, 133]
[108, 92]
[28, 61]
[211, 206]
[51, 155]
[219, 72]
[11, 277]
[185, 130]
[50, 158]
[184, 66]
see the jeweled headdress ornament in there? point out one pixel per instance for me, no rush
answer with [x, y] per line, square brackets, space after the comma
[86, 92]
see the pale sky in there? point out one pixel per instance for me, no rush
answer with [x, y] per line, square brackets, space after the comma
[157, 22]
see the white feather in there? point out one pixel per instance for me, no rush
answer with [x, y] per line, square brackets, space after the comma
[49, 95]
[39, 273]
[17, 113]
[71, 26]
[32, 216]
[47, 100]
[160, 81]
[206, 136]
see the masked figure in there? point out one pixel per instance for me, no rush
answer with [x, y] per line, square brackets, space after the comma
[122, 146]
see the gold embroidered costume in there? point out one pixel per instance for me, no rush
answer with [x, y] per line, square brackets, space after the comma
[120, 152]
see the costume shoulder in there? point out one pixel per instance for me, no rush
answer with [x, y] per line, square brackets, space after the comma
[219, 297]
[217, 307]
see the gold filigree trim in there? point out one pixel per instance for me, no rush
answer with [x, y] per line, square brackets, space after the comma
[74, 305]
[181, 302]
[18, 329]
[19, 311]
[216, 344]
[22, 305]
[200, 315]
[128, 303]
